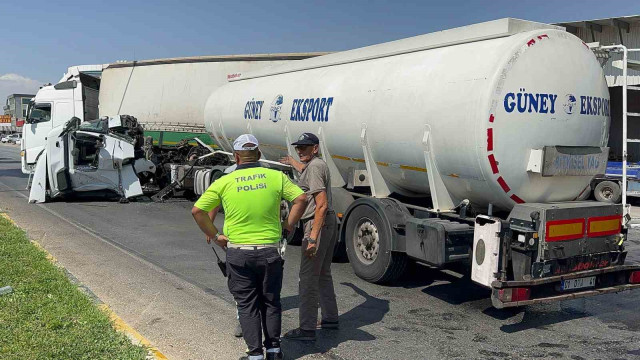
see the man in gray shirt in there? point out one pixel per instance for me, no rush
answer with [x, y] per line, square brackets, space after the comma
[320, 234]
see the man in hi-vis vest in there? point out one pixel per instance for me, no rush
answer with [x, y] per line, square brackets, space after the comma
[251, 197]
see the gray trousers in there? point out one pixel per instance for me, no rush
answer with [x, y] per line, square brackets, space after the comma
[316, 283]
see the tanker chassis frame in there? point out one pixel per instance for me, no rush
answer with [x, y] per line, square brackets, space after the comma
[538, 253]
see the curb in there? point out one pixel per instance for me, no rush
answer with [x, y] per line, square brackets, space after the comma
[131, 333]
[117, 322]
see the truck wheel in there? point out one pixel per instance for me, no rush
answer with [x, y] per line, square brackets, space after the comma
[368, 242]
[608, 191]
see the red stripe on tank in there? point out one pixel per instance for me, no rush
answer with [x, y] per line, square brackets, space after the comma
[517, 199]
[491, 118]
[494, 164]
[503, 184]
[489, 139]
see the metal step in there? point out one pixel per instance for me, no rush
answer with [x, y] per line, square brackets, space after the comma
[633, 114]
[633, 140]
[630, 87]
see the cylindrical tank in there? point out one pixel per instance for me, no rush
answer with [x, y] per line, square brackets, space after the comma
[486, 102]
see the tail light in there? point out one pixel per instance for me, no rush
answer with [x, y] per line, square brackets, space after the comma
[517, 294]
[635, 277]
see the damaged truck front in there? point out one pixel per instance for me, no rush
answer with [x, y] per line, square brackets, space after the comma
[97, 155]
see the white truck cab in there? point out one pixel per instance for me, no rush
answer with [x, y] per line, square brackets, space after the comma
[68, 149]
[75, 95]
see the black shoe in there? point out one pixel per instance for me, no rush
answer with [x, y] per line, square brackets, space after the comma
[275, 356]
[238, 332]
[300, 334]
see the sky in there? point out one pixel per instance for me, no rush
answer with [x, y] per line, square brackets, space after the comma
[42, 38]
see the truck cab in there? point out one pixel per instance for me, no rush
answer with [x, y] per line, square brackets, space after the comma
[67, 149]
[75, 95]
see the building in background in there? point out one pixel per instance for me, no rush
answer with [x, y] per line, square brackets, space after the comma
[616, 31]
[15, 108]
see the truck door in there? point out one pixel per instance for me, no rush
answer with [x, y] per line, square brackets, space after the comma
[36, 128]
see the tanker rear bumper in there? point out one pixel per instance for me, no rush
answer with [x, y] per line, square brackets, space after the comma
[611, 279]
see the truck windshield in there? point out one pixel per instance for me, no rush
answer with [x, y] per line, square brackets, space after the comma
[98, 125]
[38, 113]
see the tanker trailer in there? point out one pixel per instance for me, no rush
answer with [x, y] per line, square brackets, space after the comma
[507, 120]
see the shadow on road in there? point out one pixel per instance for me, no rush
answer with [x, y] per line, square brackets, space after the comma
[453, 285]
[537, 320]
[371, 311]
[15, 173]
[537, 317]
[458, 291]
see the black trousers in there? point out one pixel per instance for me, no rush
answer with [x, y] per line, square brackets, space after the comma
[255, 281]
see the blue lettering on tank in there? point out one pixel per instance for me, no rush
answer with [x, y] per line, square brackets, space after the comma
[592, 105]
[553, 103]
[509, 103]
[253, 109]
[545, 103]
[293, 108]
[311, 109]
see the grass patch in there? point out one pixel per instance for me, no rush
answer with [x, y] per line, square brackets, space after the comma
[46, 316]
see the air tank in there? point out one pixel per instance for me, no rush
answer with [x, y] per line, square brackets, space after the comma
[477, 100]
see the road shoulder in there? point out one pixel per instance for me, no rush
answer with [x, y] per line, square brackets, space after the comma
[182, 320]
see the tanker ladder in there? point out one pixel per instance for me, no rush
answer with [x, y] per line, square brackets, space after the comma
[624, 64]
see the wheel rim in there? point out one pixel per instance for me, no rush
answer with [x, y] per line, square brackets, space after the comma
[607, 192]
[366, 241]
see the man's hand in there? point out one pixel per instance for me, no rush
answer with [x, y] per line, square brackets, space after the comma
[289, 160]
[311, 249]
[286, 160]
[222, 241]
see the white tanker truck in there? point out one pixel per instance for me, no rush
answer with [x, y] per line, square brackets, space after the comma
[466, 145]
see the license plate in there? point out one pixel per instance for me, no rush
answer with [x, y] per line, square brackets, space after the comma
[579, 283]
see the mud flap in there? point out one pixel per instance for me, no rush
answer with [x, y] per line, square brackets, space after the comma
[486, 250]
[38, 193]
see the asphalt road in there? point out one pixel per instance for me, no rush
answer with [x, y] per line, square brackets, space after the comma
[427, 314]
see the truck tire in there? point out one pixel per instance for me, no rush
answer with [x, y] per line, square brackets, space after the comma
[367, 238]
[608, 191]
